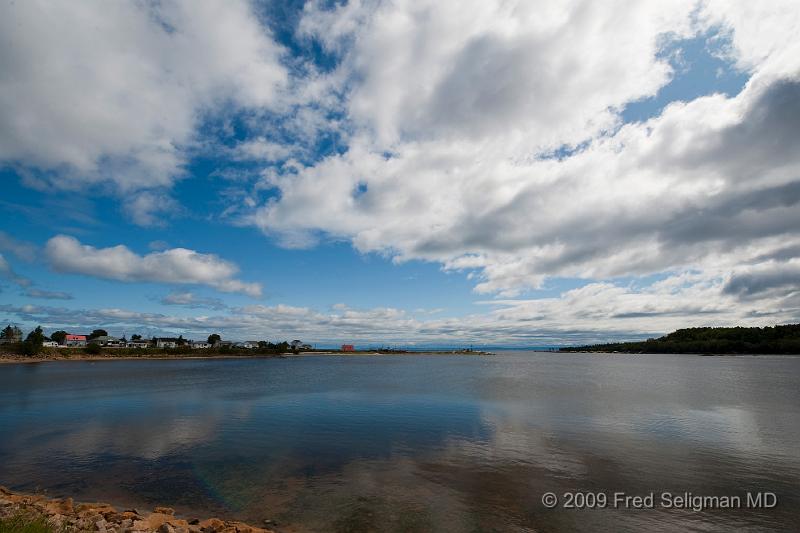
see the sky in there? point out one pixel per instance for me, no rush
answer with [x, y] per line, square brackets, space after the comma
[516, 173]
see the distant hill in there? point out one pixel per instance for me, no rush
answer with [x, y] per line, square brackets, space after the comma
[738, 340]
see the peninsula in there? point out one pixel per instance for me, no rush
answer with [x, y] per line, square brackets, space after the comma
[710, 341]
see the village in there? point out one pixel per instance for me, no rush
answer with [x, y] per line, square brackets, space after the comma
[100, 338]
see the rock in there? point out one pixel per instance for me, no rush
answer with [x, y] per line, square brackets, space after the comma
[156, 519]
[64, 515]
[212, 525]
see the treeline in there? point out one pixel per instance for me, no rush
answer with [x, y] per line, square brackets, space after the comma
[738, 340]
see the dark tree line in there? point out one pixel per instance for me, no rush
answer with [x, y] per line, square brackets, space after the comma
[738, 340]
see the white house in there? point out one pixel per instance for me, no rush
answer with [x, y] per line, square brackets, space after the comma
[200, 345]
[50, 344]
[107, 341]
[249, 344]
[138, 344]
[299, 345]
[166, 342]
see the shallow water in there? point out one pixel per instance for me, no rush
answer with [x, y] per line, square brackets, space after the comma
[412, 443]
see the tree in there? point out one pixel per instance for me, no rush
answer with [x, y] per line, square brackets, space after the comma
[33, 342]
[214, 338]
[36, 336]
[136, 337]
[93, 349]
[98, 333]
[11, 334]
[59, 336]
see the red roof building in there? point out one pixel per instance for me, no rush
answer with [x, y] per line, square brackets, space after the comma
[75, 340]
[348, 348]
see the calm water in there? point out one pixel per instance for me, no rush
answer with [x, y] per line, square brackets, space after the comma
[412, 443]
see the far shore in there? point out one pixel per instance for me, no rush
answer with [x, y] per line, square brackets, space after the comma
[74, 354]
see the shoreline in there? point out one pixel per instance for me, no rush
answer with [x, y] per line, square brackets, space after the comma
[21, 359]
[6, 358]
[63, 514]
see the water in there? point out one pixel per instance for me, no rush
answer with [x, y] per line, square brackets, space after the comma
[412, 443]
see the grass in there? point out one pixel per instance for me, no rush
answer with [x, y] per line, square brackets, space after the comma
[27, 522]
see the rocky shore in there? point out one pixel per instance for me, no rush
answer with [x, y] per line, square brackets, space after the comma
[66, 516]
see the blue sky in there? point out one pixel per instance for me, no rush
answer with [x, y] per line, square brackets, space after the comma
[375, 172]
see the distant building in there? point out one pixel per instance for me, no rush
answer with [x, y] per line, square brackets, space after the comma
[168, 342]
[75, 340]
[138, 344]
[250, 345]
[50, 344]
[200, 345]
[108, 341]
[299, 345]
[348, 348]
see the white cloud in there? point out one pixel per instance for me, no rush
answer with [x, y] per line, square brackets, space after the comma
[596, 312]
[176, 265]
[113, 93]
[541, 74]
[449, 158]
[148, 208]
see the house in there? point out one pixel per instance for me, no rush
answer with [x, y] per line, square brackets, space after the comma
[224, 344]
[108, 341]
[348, 348]
[299, 345]
[250, 344]
[74, 340]
[168, 342]
[200, 345]
[138, 344]
[50, 344]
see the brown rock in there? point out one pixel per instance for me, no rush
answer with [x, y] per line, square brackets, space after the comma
[165, 510]
[211, 525]
[155, 520]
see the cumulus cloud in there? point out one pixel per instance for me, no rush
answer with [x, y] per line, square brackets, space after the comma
[492, 141]
[175, 265]
[596, 312]
[113, 93]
